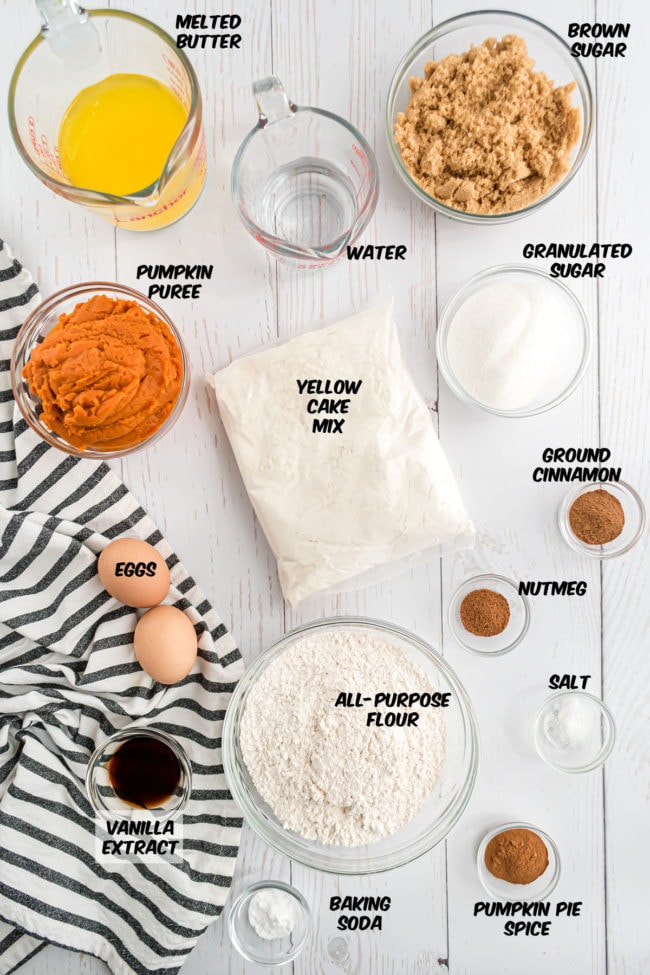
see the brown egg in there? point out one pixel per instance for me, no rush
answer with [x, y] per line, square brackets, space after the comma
[165, 644]
[134, 572]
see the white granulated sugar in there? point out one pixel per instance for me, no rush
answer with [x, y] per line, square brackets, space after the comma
[322, 770]
[335, 505]
[508, 344]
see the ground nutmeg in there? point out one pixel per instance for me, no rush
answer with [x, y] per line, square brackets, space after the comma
[596, 517]
[518, 856]
[484, 612]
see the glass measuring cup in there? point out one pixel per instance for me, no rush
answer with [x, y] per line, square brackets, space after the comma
[304, 181]
[43, 85]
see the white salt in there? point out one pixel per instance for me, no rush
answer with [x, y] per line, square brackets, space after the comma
[509, 344]
[572, 724]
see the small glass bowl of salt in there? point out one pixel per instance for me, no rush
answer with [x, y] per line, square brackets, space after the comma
[574, 731]
[269, 923]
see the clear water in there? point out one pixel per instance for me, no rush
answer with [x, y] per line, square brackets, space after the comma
[308, 204]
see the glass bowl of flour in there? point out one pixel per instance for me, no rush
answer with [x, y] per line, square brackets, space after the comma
[351, 746]
[513, 341]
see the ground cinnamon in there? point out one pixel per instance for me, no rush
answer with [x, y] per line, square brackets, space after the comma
[484, 612]
[596, 517]
[518, 856]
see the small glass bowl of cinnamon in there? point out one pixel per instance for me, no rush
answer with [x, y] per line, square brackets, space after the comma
[602, 521]
[518, 862]
[487, 616]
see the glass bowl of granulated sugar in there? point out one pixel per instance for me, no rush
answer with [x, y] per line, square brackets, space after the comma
[513, 342]
[351, 746]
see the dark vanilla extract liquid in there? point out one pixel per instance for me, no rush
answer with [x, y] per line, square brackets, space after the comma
[144, 772]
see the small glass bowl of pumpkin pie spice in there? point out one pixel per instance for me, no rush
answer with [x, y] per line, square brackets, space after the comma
[518, 862]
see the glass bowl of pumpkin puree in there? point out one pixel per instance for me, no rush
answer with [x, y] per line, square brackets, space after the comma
[98, 370]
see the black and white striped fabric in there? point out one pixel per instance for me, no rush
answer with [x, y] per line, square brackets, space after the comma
[68, 679]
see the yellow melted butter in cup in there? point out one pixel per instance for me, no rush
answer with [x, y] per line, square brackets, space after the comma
[116, 136]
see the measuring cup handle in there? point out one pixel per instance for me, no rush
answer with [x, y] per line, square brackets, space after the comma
[272, 101]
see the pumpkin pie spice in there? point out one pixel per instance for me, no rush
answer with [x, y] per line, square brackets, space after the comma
[518, 856]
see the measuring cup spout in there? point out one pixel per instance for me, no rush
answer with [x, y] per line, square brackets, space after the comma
[141, 69]
[334, 250]
[150, 200]
[272, 102]
[69, 31]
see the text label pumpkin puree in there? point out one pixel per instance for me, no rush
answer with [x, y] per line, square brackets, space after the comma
[108, 374]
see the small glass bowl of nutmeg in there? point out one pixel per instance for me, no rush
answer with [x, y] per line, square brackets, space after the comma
[518, 862]
[488, 616]
[602, 521]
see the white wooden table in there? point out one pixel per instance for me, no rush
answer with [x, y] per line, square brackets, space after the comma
[341, 56]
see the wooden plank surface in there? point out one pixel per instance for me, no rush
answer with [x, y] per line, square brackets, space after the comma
[341, 57]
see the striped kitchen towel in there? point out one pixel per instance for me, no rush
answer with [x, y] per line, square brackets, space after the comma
[68, 679]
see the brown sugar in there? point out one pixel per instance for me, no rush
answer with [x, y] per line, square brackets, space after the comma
[596, 517]
[518, 856]
[484, 612]
[485, 133]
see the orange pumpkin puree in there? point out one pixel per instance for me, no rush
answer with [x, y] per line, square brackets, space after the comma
[108, 374]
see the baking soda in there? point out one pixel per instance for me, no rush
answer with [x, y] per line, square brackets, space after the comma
[273, 913]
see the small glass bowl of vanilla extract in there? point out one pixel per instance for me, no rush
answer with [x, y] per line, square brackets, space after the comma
[139, 769]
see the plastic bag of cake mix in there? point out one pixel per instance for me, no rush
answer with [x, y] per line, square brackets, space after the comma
[339, 456]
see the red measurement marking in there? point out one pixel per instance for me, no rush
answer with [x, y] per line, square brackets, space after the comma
[361, 155]
[42, 151]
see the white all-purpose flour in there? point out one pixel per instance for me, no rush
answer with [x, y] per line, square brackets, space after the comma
[339, 487]
[324, 771]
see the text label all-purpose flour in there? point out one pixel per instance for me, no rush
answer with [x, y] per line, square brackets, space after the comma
[338, 453]
[326, 771]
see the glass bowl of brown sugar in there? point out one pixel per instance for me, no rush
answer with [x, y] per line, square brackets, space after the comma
[469, 155]
[488, 616]
[602, 521]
